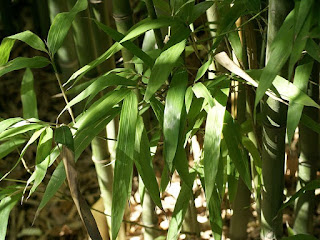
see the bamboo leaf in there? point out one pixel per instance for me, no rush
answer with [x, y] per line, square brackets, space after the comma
[212, 139]
[5, 49]
[116, 47]
[143, 162]
[301, 79]
[10, 145]
[162, 68]
[100, 83]
[44, 145]
[158, 109]
[31, 39]
[180, 209]
[127, 44]
[124, 161]
[61, 25]
[315, 184]
[310, 123]
[172, 115]
[100, 108]
[15, 130]
[198, 10]
[232, 136]
[23, 62]
[9, 122]
[313, 49]
[33, 138]
[6, 205]
[28, 96]
[200, 91]
[203, 69]
[280, 52]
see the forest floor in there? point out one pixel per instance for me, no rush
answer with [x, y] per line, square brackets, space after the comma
[60, 220]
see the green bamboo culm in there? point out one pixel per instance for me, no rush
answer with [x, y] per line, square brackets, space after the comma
[309, 155]
[273, 140]
[122, 15]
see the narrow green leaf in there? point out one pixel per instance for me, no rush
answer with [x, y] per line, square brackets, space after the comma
[15, 130]
[23, 62]
[280, 52]
[212, 139]
[82, 139]
[28, 96]
[149, 24]
[64, 136]
[103, 57]
[31, 39]
[162, 68]
[180, 210]
[313, 49]
[9, 122]
[172, 115]
[143, 162]
[100, 83]
[124, 161]
[198, 10]
[315, 184]
[236, 45]
[158, 109]
[33, 138]
[5, 49]
[301, 79]
[127, 44]
[61, 25]
[203, 69]
[202, 92]
[6, 205]
[10, 145]
[254, 152]
[100, 108]
[232, 136]
[310, 123]
[44, 145]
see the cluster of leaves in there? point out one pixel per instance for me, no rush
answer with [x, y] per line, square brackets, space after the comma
[180, 111]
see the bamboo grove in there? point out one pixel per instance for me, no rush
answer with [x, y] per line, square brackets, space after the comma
[216, 88]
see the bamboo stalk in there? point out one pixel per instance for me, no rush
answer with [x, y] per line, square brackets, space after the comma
[273, 141]
[309, 155]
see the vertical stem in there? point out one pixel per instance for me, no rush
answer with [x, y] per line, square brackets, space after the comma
[273, 141]
[122, 15]
[309, 155]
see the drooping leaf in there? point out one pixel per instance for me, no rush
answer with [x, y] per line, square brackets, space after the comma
[203, 69]
[8, 122]
[61, 25]
[280, 52]
[172, 115]
[198, 10]
[44, 145]
[33, 138]
[6, 205]
[143, 162]
[301, 79]
[124, 161]
[5, 49]
[315, 184]
[100, 108]
[310, 123]
[180, 210]
[212, 139]
[116, 47]
[64, 136]
[162, 68]
[202, 92]
[232, 136]
[31, 39]
[10, 145]
[23, 62]
[313, 49]
[158, 109]
[134, 49]
[19, 129]
[100, 83]
[28, 96]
